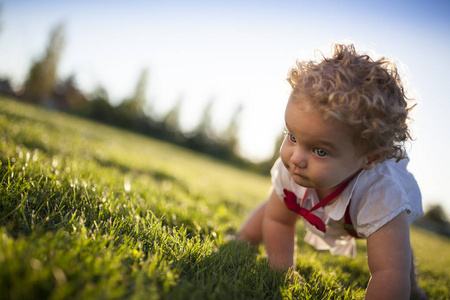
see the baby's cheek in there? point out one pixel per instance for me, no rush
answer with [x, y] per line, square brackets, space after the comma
[284, 157]
[327, 179]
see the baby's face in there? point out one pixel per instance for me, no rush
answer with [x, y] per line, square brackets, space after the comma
[318, 153]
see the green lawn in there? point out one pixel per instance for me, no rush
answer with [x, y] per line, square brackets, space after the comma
[92, 212]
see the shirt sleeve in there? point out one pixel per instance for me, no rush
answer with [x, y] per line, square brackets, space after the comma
[384, 196]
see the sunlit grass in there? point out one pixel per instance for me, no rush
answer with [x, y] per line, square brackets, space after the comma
[88, 212]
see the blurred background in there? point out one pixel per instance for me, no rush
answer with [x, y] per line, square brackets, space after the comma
[210, 75]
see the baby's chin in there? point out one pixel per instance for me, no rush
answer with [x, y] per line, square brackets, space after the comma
[302, 181]
[307, 183]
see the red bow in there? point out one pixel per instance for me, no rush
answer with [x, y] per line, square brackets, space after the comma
[290, 200]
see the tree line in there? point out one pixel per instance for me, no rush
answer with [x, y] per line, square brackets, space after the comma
[43, 87]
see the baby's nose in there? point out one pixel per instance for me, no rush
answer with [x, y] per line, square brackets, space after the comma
[299, 158]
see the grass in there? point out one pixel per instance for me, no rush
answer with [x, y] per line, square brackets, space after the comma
[92, 212]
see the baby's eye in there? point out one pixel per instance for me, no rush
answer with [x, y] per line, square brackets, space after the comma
[320, 152]
[291, 138]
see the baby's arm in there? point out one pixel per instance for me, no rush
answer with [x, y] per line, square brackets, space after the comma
[278, 230]
[273, 224]
[389, 256]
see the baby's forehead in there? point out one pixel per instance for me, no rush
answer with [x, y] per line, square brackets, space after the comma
[308, 104]
[322, 105]
[321, 115]
[324, 114]
[301, 97]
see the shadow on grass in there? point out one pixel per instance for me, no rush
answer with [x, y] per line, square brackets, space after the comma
[232, 272]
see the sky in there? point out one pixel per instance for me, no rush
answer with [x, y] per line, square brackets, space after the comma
[239, 53]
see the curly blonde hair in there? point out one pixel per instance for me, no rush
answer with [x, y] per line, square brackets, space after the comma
[364, 94]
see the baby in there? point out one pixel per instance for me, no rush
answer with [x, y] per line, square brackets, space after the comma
[342, 170]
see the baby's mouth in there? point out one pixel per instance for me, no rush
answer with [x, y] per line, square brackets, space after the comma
[298, 175]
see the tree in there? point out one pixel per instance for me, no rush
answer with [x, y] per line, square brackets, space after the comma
[171, 120]
[436, 213]
[170, 126]
[130, 113]
[134, 106]
[205, 129]
[230, 137]
[99, 107]
[42, 76]
[67, 96]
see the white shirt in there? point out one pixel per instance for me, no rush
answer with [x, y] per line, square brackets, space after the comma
[377, 196]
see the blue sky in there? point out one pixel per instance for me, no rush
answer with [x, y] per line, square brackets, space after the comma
[239, 52]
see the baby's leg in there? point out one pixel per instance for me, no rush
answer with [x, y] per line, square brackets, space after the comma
[251, 231]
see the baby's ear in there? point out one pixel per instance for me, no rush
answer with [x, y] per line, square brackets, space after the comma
[373, 158]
